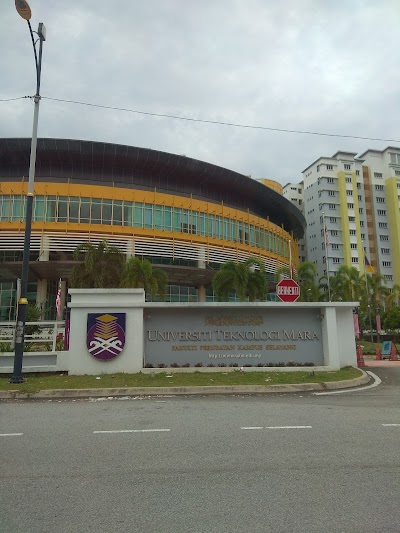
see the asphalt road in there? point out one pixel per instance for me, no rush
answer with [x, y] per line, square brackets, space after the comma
[287, 463]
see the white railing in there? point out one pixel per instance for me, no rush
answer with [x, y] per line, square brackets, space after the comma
[43, 336]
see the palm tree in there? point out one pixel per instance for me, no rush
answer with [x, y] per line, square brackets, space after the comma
[393, 298]
[246, 279]
[309, 289]
[139, 273]
[102, 266]
[347, 285]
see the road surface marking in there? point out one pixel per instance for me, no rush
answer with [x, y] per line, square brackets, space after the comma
[10, 434]
[377, 381]
[289, 427]
[391, 425]
[252, 427]
[133, 431]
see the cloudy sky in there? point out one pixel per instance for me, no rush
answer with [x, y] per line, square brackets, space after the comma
[316, 65]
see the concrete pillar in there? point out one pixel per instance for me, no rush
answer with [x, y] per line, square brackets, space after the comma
[201, 263]
[41, 295]
[201, 293]
[130, 249]
[44, 248]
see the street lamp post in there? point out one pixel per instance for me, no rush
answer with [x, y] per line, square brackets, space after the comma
[25, 12]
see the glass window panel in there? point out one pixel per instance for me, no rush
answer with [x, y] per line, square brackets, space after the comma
[158, 217]
[252, 239]
[148, 216]
[16, 209]
[128, 214]
[168, 218]
[138, 215]
[73, 210]
[62, 209]
[51, 209]
[218, 227]
[4, 207]
[38, 209]
[177, 219]
[85, 210]
[117, 212]
[106, 212]
[96, 211]
[195, 221]
[202, 224]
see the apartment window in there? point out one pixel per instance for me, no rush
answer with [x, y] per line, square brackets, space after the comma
[332, 219]
[334, 232]
[348, 179]
[331, 193]
[353, 246]
[385, 251]
[380, 200]
[349, 192]
[336, 260]
[347, 166]
[300, 202]
[386, 264]
[379, 187]
[354, 259]
[357, 172]
[332, 206]
[329, 167]
[397, 172]
[330, 180]
[361, 223]
[384, 237]
[388, 277]
[362, 236]
[352, 219]
[382, 224]
[350, 206]
[377, 174]
[358, 185]
[381, 212]
[352, 232]
[299, 191]
[360, 210]
[335, 246]
[359, 198]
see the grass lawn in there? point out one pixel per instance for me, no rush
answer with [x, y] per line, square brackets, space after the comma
[39, 382]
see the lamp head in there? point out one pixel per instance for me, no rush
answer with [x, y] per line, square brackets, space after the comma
[23, 9]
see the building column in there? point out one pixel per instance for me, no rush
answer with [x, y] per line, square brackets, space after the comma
[41, 295]
[201, 293]
[44, 248]
[130, 249]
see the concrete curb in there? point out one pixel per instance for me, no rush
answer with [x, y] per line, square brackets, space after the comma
[186, 391]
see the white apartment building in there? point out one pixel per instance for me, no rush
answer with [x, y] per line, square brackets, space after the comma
[358, 200]
[294, 192]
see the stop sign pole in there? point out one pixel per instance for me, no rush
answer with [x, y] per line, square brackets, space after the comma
[288, 290]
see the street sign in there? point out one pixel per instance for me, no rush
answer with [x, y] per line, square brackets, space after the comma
[288, 290]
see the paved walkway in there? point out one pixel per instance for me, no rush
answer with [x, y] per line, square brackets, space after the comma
[381, 364]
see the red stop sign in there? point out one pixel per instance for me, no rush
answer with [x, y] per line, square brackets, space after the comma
[288, 290]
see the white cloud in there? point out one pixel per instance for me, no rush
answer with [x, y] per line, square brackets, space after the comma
[296, 64]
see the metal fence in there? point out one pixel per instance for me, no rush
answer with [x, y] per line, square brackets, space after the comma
[40, 337]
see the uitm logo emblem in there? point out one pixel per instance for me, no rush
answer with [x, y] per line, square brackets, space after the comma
[105, 335]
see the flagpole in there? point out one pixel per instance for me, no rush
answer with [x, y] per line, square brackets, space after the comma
[325, 229]
[290, 259]
[367, 297]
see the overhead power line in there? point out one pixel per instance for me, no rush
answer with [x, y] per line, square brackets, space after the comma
[11, 99]
[215, 122]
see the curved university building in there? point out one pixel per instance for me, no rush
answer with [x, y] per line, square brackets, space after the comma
[184, 215]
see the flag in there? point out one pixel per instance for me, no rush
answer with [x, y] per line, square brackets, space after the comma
[368, 267]
[326, 235]
[58, 299]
